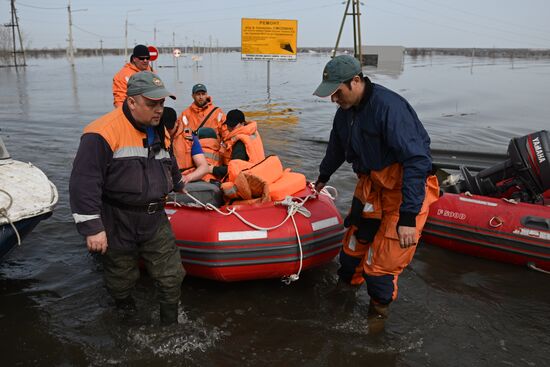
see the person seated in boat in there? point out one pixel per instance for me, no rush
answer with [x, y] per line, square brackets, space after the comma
[203, 113]
[186, 147]
[242, 141]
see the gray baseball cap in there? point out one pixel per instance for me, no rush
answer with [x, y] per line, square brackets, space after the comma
[338, 70]
[148, 85]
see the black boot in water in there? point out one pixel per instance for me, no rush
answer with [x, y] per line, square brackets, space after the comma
[126, 309]
[168, 314]
[126, 305]
[377, 316]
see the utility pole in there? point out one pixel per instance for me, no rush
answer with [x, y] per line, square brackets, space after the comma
[15, 24]
[70, 50]
[126, 32]
[357, 52]
[126, 38]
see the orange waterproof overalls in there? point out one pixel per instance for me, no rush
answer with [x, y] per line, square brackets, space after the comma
[371, 250]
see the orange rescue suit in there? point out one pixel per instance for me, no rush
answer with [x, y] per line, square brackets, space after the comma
[380, 195]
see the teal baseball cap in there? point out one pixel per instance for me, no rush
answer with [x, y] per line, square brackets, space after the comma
[149, 85]
[338, 70]
[199, 88]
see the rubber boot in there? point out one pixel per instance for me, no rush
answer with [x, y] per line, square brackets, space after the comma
[126, 305]
[377, 316]
[126, 309]
[168, 314]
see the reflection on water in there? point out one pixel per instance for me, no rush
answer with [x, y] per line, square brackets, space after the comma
[74, 83]
[271, 112]
[54, 309]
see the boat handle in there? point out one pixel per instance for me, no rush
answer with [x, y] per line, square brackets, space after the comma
[496, 222]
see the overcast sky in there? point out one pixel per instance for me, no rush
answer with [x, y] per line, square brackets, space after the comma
[409, 23]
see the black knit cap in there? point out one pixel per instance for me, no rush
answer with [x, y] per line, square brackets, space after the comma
[140, 51]
[169, 117]
[234, 117]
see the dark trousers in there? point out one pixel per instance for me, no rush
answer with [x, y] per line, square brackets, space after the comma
[162, 261]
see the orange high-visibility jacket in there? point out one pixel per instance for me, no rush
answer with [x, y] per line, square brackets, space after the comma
[193, 116]
[120, 81]
[250, 136]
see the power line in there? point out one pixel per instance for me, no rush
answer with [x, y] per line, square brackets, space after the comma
[40, 7]
[265, 14]
[487, 17]
[472, 23]
[92, 33]
[452, 27]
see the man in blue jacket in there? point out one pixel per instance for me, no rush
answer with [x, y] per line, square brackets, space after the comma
[379, 133]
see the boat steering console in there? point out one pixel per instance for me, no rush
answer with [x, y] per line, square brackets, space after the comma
[525, 175]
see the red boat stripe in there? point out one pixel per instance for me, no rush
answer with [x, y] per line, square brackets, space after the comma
[339, 229]
[259, 261]
[260, 251]
[490, 232]
[494, 241]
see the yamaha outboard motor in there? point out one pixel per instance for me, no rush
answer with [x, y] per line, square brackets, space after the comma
[527, 167]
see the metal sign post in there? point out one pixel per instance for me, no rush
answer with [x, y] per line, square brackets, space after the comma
[268, 64]
[177, 53]
[153, 54]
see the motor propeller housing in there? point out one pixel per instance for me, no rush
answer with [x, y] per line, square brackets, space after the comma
[527, 166]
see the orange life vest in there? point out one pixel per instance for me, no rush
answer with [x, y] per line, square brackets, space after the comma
[250, 136]
[211, 149]
[261, 182]
[182, 141]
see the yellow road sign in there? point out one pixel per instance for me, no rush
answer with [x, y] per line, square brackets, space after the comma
[268, 39]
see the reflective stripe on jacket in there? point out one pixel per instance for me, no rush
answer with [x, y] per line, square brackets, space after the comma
[251, 139]
[113, 165]
[211, 149]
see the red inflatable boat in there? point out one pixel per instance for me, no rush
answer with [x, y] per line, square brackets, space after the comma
[503, 212]
[491, 228]
[224, 247]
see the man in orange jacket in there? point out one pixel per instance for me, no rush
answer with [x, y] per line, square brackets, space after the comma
[139, 61]
[203, 113]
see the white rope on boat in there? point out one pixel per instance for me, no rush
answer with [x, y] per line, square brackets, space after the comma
[294, 205]
[4, 213]
[534, 267]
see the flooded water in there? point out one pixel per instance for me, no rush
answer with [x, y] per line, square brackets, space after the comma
[452, 310]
